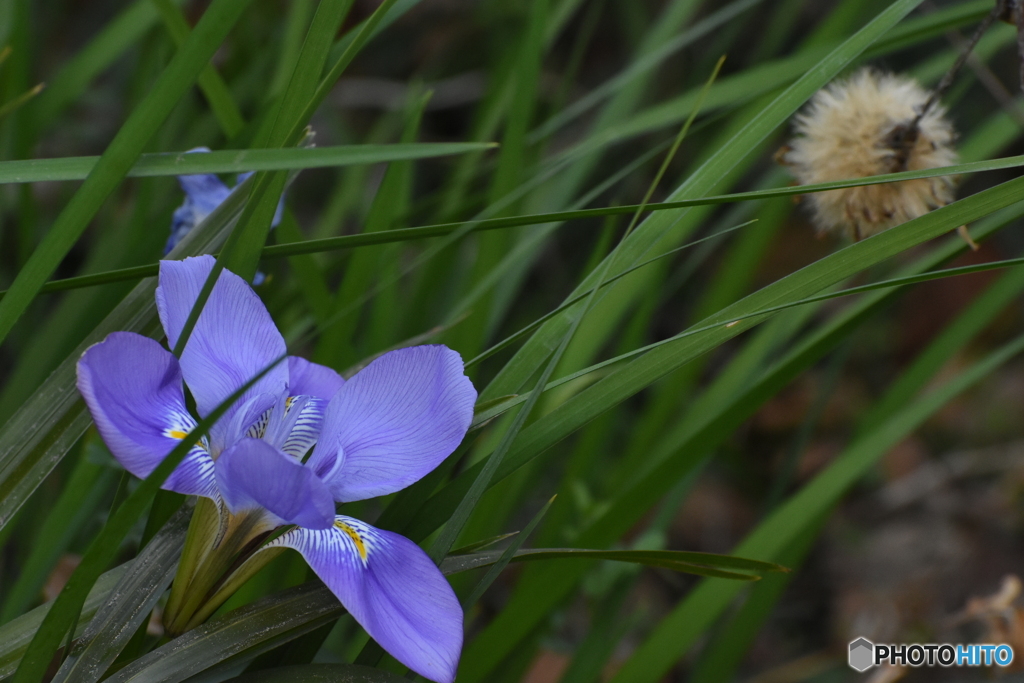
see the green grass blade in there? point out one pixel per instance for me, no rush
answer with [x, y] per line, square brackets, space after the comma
[654, 229]
[15, 635]
[184, 68]
[676, 560]
[210, 82]
[319, 673]
[677, 632]
[74, 78]
[68, 605]
[233, 161]
[247, 631]
[77, 502]
[504, 557]
[128, 604]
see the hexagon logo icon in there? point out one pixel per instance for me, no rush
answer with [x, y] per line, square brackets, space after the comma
[862, 654]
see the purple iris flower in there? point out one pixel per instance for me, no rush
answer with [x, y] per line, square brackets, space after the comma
[204, 192]
[374, 434]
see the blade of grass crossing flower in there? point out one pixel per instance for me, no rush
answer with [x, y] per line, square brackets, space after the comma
[102, 549]
[48, 423]
[242, 248]
[677, 632]
[506, 556]
[182, 71]
[654, 229]
[424, 232]
[236, 161]
[244, 245]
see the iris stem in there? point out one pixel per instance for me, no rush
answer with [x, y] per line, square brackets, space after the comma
[212, 568]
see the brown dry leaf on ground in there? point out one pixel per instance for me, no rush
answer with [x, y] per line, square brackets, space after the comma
[1003, 621]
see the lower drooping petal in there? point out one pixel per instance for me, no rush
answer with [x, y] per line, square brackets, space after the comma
[311, 379]
[132, 386]
[391, 588]
[233, 340]
[253, 474]
[394, 422]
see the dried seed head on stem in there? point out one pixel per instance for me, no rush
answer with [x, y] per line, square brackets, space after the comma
[871, 124]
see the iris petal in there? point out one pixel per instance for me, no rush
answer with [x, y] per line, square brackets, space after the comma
[294, 425]
[233, 340]
[391, 588]
[310, 379]
[252, 474]
[394, 422]
[132, 386]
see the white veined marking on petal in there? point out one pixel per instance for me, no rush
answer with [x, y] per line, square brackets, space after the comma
[306, 429]
[181, 427]
[357, 540]
[259, 428]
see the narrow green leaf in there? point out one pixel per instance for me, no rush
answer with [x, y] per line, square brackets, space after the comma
[48, 424]
[676, 560]
[129, 603]
[15, 635]
[66, 608]
[210, 82]
[119, 157]
[245, 632]
[77, 502]
[319, 673]
[234, 161]
[504, 557]
[677, 632]
[654, 229]
[480, 545]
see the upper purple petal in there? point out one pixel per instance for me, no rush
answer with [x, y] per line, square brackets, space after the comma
[252, 474]
[390, 586]
[204, 192]
[133, 389]
[310, 379]
[394, 422]
[233, 340]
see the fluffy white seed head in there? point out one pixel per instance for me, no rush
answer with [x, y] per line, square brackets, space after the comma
[849, 130]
